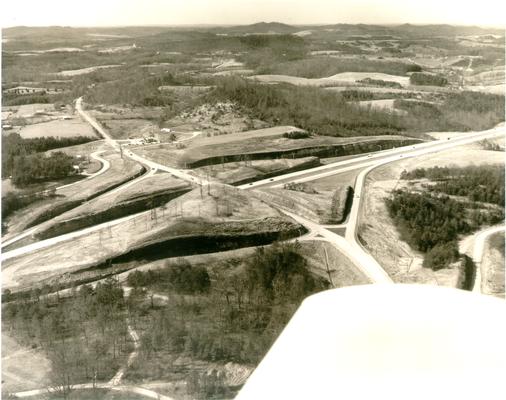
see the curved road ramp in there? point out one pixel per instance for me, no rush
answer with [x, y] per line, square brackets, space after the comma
[387, 342]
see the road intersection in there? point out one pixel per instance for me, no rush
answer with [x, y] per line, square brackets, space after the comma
[349, 245]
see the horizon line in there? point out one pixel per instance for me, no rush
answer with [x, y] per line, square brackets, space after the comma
[225, 25]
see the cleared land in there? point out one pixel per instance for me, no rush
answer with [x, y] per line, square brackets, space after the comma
[324, 258]
[147, 193]
[239, 173]
[88, 70]
[344, 78]
[213, 119]
[226, 218]
[121, 170]
[267, 145]
[64, 129]
[322, 200]
[377, 230]
[128, 123]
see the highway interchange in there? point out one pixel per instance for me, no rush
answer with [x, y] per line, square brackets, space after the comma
[348, 245]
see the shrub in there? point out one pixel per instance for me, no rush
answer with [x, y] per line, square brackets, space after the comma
[296, 135]
[441, 255]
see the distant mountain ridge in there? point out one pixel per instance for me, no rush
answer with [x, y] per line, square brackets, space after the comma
[274, 27]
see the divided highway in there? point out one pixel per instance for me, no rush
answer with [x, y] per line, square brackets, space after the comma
[349, 245]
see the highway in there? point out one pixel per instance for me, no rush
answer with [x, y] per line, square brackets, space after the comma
[105, 166]
[349, 245]
[116, 146]
[373, 159]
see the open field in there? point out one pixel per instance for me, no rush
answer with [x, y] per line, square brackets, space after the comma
[266, 147]
[147, 193]
[121, 170]
[25, 110]
[239, 173]
[23, 368]
[324, 207]
[67, 128]
[190, 224]
[377, 231]
[344, 78]
[323, 200]
[87, 70]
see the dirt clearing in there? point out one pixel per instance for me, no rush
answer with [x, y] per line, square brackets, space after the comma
[58, 128]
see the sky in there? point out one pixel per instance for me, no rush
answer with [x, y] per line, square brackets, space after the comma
[191, 12]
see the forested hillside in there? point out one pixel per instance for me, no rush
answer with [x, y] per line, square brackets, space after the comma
[431, 221]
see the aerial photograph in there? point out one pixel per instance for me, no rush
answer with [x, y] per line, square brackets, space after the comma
[253, 199]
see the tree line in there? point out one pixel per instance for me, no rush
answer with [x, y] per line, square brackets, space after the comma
[23, 161]
[314, 110]
[419, 78]
[431, 221]
[462, 111]
[483, 183]
[245, 310]
[232, 312]
[329, 113]
[84, 336]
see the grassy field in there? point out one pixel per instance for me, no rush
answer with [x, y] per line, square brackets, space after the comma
[23, 368]
[121, 170]
[344, 78]
[274, 132]
[238, 173]
[68, 128]
[265, 148]
[319, 67]
[325, 207]
[224, 218]
[145, 194]
[322, 200]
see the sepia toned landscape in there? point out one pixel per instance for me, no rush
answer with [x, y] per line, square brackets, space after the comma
[171, 195]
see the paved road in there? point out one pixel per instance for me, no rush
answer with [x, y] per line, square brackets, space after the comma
[349, 245]
[362, 260]
[374, 159]
[311, 174]
[62, 238]
[151, 164]
[105, 166]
